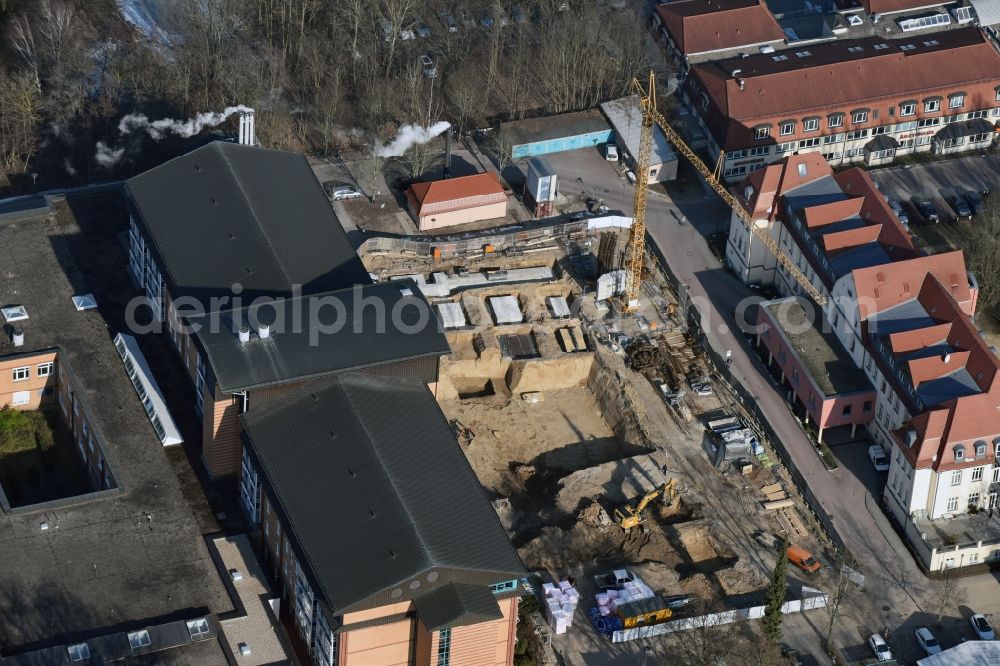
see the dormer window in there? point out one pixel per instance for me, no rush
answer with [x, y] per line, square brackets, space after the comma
[980, 449]
[959, 453]
[762, 132]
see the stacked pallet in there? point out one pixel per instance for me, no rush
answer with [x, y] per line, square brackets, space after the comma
[560, 605]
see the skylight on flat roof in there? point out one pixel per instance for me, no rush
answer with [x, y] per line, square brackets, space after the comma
[84, 302]
[13, 313]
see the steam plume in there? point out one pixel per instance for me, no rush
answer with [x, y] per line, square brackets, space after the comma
[409, 136]
[106, 156]
[157, 129]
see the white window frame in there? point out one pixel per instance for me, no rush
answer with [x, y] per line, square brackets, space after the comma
[835, 121]
[139, 639]
[761, 133]
[932, 105]
[787, 129]
[21, 374]
[198, 628]
[859, 117]
[78, 652]
[952, 505]
[44, 369]
[810, 125]
[960, 99]
[907, 109]
[20, 398]
[956, 477]
[977, 473]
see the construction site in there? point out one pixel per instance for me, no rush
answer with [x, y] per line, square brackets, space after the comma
[603, 438]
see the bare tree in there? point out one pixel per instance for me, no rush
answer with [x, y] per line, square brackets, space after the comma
[501, 147]
[465, 91]
[20, 114]
[841, 589]
[982, 252]
[948, 593]
[23, 40]
[419, 160]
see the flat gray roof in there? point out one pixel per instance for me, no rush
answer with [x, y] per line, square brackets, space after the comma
[109, 560]
[626, 118]
[821, 354]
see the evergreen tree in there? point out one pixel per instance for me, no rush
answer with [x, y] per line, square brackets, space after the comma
[775, 597]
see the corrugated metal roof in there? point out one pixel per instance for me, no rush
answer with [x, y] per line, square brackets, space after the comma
[626, 118]
[226, 214]
[315, 335]
[988, 11]
[375, 490]
[457, 605]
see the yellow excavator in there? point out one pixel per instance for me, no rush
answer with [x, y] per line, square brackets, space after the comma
[632, 515]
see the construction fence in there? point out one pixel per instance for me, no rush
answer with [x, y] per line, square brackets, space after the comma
[811, 599]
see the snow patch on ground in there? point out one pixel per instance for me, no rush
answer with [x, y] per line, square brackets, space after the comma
[147, 17]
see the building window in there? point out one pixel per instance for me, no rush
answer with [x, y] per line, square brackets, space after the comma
[760, 150]
[952, 504]
[847, 410]
[787, 128]
[956, 101]
[78, 652]
[974, 499]
[506, 586]
[980, 448]
[809, 143]
[976, 138]
[857, 134]
[972, 115]
[250, 490]
[879, 131]
[932, 105]
[922, 22]
[197, 628]
[21, 374]
[785, 147]
[44, 369]
[882, 154]
[867, 407]
[859, 117]
[734, 171]
[836, 120]
[444, 647]
[908, 126]
[761, 133]
[956, 477]
[928, 122]
[139, 639]
[977, 473]
[810, 124]
[907, 109]
[855, 49]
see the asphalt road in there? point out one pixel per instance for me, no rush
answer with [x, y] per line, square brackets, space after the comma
[938, 179]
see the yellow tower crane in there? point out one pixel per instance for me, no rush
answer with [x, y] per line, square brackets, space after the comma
[637, 239]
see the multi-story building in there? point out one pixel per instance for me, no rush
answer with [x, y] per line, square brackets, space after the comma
[851, 101]
[376, 529]
[904, 320]
[247, 269]
[698, 30]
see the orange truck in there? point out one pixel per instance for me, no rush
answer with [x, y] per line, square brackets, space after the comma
[803, 559]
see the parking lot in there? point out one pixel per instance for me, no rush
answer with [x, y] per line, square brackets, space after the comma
[937, 180]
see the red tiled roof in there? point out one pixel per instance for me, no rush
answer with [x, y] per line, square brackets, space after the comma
[962, 421]
[700, 26]
[828, 213]
[875, 210]
[842, 240]
[831, 78]
[879, 288]
[908, 341]
[457, 193]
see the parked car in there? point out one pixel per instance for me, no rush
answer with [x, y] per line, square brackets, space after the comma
[341, 192]
[927, 641]
[406, 34]
[974, 200]
[803, 559]
[960, 206]
[900, 212]
[428, 65]
[423, 31]
[611, 152]
[878, 646]
[982, 627]
[877, 456]
[486, 20]
[925, 208]
[449, 22]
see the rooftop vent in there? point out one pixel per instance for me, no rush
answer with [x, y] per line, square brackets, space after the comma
[244, 334]
[406, 291]
[17, 337]
[235, 575]
[736, 73]
[244, 650]
[946, 358]
[84, 302]
[803, 170]
[263, 331]
[13, 313]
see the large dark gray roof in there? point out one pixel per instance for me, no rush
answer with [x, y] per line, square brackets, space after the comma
[226, 213]
[375, 491]
[320, 334]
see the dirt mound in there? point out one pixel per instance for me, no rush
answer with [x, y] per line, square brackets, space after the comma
[742, 578]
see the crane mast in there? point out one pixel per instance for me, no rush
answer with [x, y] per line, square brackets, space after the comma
[637, 239]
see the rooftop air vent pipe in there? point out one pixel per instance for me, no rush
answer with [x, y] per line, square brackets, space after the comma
[244, 334]
[263, 331]
[247, 137]
[18, 337]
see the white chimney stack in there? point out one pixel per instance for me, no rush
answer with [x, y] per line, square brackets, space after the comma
[263, 331]
[18, 337]
[244, 334]
[247, 137]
